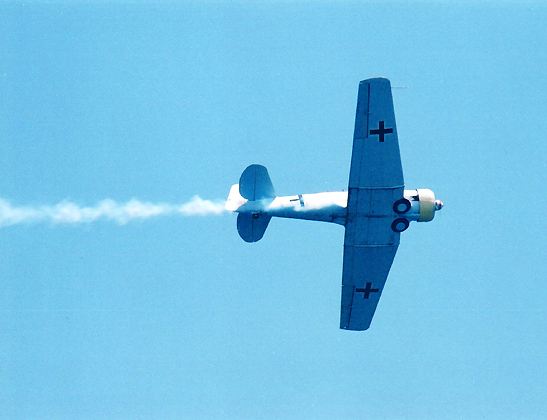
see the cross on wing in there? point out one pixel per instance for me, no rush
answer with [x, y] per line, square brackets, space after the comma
[381, 131]
[367, 290]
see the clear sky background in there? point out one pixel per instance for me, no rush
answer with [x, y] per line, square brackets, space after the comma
[174, 316]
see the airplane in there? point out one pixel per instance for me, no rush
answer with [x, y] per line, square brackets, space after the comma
[374, 211]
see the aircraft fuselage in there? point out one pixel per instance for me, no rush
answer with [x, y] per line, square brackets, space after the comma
[417, 205]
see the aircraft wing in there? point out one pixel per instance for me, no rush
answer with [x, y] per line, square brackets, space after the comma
[364, 276]
[375, 160]
[375, 183]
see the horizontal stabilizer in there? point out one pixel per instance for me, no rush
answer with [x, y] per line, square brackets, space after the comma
[251, 227]
[255, 184]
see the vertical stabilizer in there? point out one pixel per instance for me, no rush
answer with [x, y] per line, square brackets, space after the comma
[235, 200]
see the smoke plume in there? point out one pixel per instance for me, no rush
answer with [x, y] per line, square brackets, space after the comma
[67, 212]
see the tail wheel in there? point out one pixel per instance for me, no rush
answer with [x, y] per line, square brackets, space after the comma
[401, 206]
[400, 225]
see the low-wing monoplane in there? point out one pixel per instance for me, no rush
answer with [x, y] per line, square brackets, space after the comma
[374, 211]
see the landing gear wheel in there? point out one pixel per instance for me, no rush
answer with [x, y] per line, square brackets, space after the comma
[401, 206]
[400, 225]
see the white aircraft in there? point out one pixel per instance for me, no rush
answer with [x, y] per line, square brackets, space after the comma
[375, 209]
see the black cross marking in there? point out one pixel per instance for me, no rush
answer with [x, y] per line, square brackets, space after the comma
[367, 290]
[299, 199]
[382, 131]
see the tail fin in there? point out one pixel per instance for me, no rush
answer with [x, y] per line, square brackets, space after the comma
[251, 227]
[235, 200]
[255, 184]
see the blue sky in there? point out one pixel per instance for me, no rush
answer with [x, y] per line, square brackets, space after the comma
[174, 316]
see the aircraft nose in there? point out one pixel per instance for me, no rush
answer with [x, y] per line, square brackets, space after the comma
[438, 205]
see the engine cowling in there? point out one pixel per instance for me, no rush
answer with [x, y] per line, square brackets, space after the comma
[422, 205]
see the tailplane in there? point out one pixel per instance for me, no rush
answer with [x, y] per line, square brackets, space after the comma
[251, 227]
[254, 185]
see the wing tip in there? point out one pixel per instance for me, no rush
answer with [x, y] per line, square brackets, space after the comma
[379, 79]
[348, 328]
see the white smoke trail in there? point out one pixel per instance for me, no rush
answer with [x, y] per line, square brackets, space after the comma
[67, 212]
